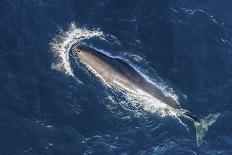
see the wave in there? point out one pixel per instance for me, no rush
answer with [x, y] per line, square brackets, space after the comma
[63, 42]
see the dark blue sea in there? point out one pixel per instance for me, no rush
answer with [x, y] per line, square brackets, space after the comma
[50, 104]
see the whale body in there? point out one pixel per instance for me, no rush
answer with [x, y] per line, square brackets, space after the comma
[118, 73]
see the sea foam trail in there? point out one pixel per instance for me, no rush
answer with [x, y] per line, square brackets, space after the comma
[62, 43]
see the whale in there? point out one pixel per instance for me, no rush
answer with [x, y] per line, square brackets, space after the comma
[121, 75]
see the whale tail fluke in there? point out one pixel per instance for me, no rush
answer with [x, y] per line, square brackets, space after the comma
[202, 126]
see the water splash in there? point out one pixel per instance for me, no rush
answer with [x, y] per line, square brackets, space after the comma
[62, 43]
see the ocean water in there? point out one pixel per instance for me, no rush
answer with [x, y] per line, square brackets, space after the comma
[51, 104]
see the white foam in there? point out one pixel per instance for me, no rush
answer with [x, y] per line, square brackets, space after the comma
[63, 42]
[151, 104]
[136, 57]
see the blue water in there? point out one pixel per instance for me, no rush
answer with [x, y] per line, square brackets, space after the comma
[45, 110]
